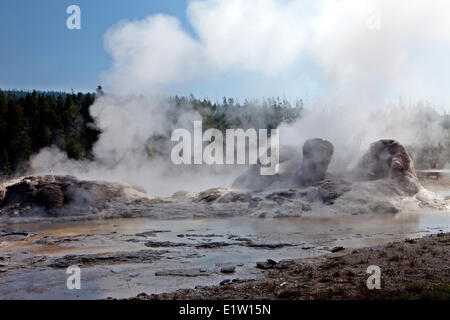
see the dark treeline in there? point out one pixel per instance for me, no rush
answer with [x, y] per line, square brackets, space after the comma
[230, 113]
[30, 121]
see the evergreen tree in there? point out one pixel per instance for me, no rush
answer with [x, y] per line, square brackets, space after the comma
[32, 121]
[19, 146]
[4, 160]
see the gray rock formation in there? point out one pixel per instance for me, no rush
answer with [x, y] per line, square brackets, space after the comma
[380, 183]
[388, 159]
[251, 179]
[52, 195]
[55, 191]
[317, 155]
[294, 171]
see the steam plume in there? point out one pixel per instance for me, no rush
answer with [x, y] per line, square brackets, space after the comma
[359, 56]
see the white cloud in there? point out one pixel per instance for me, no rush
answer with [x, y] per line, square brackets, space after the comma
[262, 36]
[265, 36]
[150, 54]
[371, 61]
[373, 47]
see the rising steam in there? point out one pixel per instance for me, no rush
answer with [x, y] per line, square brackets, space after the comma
[368, 64]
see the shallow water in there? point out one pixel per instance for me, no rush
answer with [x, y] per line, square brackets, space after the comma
[310, 237]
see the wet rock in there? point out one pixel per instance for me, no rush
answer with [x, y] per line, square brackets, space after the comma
[142, 256]
[211, 235]
[146, 234]
[48, 195]
[196, 272]
[268, 245]
[382, 207]
[38, 259]
[150, 233]
[262, 215]
[235, 197]
[237, 280]
[21, 192]
[269, 264]
[5, 233]
[134, 240]
[236, 238]
[337, 249]
[15, 235]
[263, 265]
[210, 195]
[282, 196]
[158, 244]
[228, 269]
[212, 245]
[329, 190]
[388, 159]
[251, 179]
[317, 155]
[305, 207]
[49, 240]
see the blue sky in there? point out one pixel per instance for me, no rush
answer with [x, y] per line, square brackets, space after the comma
[39, 52]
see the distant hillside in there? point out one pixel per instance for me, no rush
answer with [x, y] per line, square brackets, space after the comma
[22, 93]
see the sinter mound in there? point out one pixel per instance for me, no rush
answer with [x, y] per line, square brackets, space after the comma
[60, 195]
[384, 181]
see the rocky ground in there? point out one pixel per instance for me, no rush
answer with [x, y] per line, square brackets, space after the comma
[383, 182]
[412, 269]
[64, 198]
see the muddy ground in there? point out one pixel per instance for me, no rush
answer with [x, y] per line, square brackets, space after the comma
[411, 269]
[121, 258]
